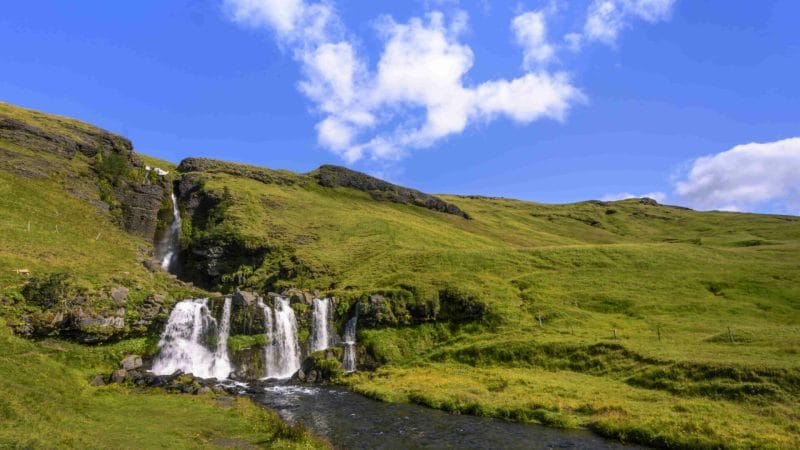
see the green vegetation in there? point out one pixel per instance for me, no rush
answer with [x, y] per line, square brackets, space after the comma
[58, 245]
[243, 341]
[649, 323]
[46, 401]
[616, 305]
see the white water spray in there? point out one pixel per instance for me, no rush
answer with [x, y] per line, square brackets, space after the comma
[282, 352]
[320, 325]
[186, 340]
[349, 358]
[169, 244]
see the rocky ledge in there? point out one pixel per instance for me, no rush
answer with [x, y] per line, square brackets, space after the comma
[336, 176]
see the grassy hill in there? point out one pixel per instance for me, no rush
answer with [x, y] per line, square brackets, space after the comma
[649, 323]
[56, 216]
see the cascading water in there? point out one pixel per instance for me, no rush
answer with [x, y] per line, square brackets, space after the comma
[186, 340]
[282, 352]
[168, 247]
[349, 358]
[320, 325]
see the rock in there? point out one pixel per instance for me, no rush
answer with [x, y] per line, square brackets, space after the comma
[142, 203]
[299, 296]
[244, 298]
[120, 295]
[131, 362]
[152, 265]
[119, 376]
[98, 380]
[203, 390]
[648, 201]
[335, 176]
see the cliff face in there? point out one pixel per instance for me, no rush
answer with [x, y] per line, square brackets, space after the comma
[125, 188]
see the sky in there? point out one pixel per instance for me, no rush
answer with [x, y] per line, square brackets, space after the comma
[688, 102]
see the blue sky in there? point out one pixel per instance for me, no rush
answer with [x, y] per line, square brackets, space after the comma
[659, 97]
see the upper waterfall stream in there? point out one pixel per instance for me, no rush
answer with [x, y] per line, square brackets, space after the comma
[168, 246]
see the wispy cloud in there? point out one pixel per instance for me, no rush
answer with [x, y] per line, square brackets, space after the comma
[607, 18]
[417, 94]
[530, 29]
[745, 178]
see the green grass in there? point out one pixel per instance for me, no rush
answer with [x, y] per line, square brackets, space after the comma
[649, 323]
[46, 401]
[660, 286]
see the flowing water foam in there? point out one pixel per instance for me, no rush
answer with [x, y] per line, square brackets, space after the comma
[168, 247]
[187, 342]
[349, 358]
[320, 325]
[282, 352]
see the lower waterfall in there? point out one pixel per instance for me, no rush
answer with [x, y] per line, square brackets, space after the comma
[320, 338]
[349, 358]
[282, 352]
[190, 333]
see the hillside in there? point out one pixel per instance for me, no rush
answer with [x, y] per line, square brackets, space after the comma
[79, 227]
[650, 323]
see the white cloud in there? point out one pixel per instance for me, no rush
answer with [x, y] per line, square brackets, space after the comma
[746, 177]
[417, 94]
[657, 196]
[530, 29]
[606, 18]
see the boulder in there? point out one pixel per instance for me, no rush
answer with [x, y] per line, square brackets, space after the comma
[244, 298]
[299, 296]
[119, 376]
[120, 295]
[98, 380]
[131, 362]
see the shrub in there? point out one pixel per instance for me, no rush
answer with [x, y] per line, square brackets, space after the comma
[49, 290]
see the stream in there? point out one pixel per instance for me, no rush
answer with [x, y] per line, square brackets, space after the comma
[351, 421]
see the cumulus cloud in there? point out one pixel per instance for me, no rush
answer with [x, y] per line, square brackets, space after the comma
[657, 196]
[746, 178]
[416, 95]
[417, 92]
[606, 18]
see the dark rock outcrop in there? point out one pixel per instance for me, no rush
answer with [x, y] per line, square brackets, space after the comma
[110, 155]
[236, 169]
[140, 206]
[72, 139]
[213, 250]
[336, 176]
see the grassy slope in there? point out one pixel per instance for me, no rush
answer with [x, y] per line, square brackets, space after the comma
[584, 269]
[45, 399]
[639, 269]
[48, 221]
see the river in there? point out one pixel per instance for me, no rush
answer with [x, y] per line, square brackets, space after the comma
[352, 421]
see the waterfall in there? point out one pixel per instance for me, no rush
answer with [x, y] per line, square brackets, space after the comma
[168, 246]
[185, 343]
[349, 359]
[282, 352]
[320, 325]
